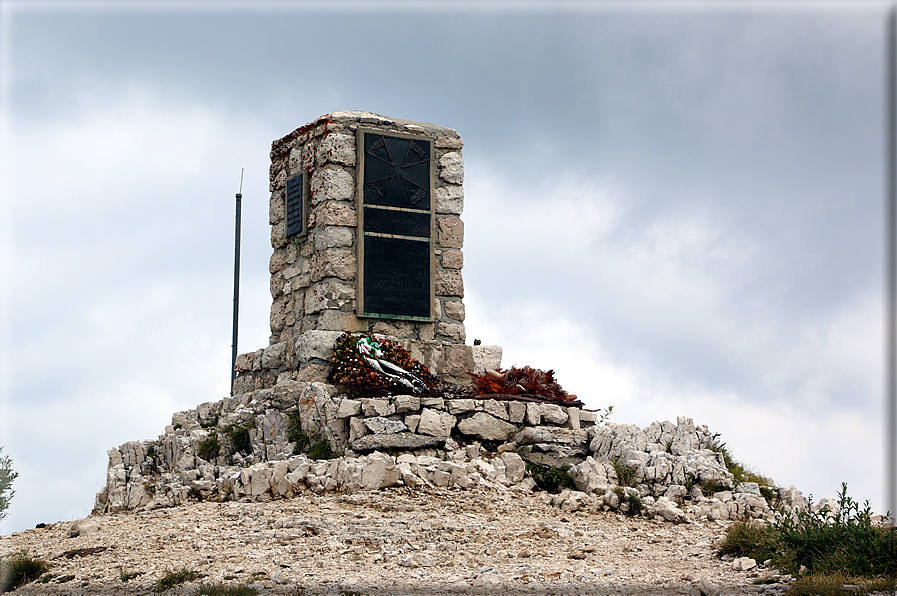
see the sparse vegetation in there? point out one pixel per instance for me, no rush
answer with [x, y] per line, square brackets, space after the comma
[550, 479]
[7, 475]
[314, 446]
[625, 473]
[209, 447]
[226, 590]
[322, 449]
[238, 437]
[175, 578]
[835, 549]
[126, 577]
[632, 501]
[20, 569]
[712, 487]
[736, 468]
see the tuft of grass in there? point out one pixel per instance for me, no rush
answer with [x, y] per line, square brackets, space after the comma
[712, 487]
[209, 447]
[749, 539]
[174, 578]
[238, 437]
[226, 590]
[549, 479]
[258, 576]
[634, 502]
[126, 576]
[736, 468]
[834, 584]
[20, 569]
[322, 449]
[625, 473]
[295, 435]
[314, 446]
[845, 548]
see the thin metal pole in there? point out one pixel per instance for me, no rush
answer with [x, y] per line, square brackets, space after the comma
[233, 359]
[891, 264]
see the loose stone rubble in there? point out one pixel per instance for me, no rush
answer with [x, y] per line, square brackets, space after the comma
[665, 471]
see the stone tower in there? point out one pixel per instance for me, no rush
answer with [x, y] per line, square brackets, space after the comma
[366, 228]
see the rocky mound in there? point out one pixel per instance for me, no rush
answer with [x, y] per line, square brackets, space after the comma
[250, 448]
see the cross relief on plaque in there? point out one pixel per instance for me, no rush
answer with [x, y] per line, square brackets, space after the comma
[396, 245]
[397, 171]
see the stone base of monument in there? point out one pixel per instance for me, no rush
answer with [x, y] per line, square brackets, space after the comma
[413, 441]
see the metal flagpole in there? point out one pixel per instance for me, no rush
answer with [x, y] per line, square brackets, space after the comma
[233, 359]
[891, 265]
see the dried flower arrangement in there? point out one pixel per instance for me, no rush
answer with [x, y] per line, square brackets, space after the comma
[526, 382]
[349, 370]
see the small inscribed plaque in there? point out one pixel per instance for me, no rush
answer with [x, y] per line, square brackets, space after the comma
[294, 205]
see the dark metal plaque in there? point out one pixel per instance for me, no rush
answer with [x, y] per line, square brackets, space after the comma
[401, 223]
[294, 205]
[396, 171]
[396, 277]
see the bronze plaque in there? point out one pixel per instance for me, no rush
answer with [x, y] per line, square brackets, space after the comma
[396, 261]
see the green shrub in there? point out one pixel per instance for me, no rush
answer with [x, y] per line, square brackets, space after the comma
[7, 475]
[634, 502]
[314, 446]
[826, 545]
[322, 449]
[174, 578]
[238, 437]
[749, 539]
[550, 479]
[209, 447]
[20, 569]
[295, 435]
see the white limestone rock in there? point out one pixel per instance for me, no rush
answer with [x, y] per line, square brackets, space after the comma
[380, 425]
[435, 423]
[553, 413]
[487, 427]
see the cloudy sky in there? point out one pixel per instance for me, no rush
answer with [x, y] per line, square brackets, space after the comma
[677, 207]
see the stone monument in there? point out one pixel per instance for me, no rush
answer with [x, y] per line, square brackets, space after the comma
[365, 215]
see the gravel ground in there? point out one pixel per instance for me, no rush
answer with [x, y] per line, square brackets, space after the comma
[396, 541]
